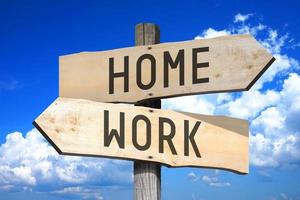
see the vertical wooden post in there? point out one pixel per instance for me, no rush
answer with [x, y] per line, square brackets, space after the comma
[147, 175]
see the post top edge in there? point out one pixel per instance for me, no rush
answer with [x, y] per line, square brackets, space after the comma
[146, 23]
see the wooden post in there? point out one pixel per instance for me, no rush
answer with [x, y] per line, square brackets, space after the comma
[147, 175]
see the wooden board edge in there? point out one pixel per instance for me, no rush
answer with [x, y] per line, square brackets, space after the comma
[244, 172]
[160, 44]
[35, 124]
[261, 73]
[172, 96]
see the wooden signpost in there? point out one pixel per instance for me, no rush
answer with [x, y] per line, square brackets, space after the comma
[147, 175]
[81, 122]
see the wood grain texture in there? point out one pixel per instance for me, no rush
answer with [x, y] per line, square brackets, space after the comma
[235, 63]
[147, 175]
[76, 127]
[147, 180]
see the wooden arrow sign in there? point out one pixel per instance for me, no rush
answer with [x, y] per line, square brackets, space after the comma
[227, 63]
[88, 128]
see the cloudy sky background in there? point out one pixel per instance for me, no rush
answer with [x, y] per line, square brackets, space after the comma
[33, 38]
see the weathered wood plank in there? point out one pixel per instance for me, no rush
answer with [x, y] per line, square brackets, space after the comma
[147, 175]
[77, 127]
[227, 63]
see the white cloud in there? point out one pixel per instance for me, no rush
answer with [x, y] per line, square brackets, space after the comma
[274, 42]
[249, 29]
[291, 92]
[83, 192]
[195, 104]
[284, 196]
[193, 176]
[29, 162]
[261, 151]
[9, 84]
[211, 33]
[271, 119]
[251, 103]
[241, 18]
[276, 141]
[223, 98]
[214, 181]
[272, 105]
[210, 180]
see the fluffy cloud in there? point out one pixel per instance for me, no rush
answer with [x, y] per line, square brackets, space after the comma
[193, 176]
[274, 152]
[210, 180]
[272, 106]
[85, 193]
[284, 196]
[241, 18]
[276, 140]
[30, 163]
[214, 181]
[9, 85]
[281, 196]
[195, 104]
[271, 119]
[211, 33]
[251, 103]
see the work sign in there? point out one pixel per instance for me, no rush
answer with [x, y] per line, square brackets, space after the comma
[83, 127]
[222, 64]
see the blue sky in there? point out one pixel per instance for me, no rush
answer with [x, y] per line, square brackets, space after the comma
[34, 33]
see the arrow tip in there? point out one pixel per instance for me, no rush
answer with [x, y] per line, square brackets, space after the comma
[261, 73]
[35, 124]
